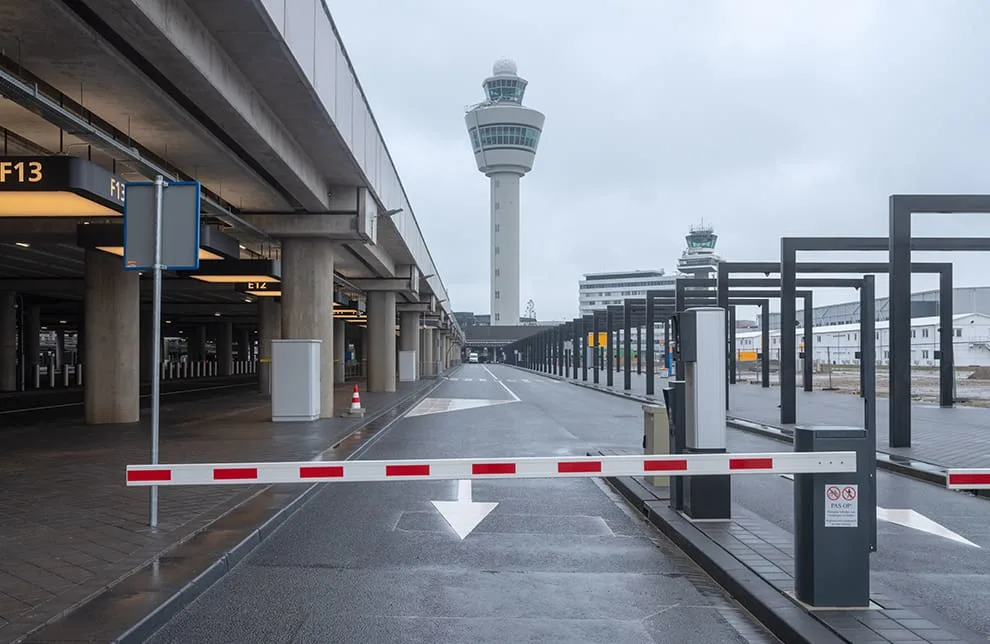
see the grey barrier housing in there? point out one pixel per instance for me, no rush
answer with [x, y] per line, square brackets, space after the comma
[832, 523]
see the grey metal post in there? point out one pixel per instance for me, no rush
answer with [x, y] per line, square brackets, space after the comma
[765, 345]
[609, 347]
[639, 349]
[900, 323]
[156, 331]
[616, 358]
[730, 333]
[678, 308]
[868, 358]
[598, 354]
[831, 522]
[722, 297]
[575, 346]
[788, 352]
[627, 314]
[666, 341]
[586, 325]
[650, 342]
[809, 344]
[946, 363]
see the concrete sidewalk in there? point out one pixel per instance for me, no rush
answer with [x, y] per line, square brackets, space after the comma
[70, 527]
[945, 438]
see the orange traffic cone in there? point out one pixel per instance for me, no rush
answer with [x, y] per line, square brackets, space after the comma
[356, 409]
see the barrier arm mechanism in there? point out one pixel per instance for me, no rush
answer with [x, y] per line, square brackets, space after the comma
[967, 479]
[496, 468]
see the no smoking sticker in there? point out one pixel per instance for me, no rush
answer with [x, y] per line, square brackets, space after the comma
[841, 506]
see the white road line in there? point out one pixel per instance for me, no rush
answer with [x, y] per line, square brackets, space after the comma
[504, 386]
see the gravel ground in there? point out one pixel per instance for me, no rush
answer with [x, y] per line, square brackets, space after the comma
[924, 383]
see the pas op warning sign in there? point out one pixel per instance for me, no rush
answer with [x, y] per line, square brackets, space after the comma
[841, 506]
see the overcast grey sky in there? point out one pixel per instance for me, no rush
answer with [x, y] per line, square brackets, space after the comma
[765, 118]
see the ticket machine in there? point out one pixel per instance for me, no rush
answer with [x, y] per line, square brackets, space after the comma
[699, 408]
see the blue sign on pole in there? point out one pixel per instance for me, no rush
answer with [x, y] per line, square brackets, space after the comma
[180, 226]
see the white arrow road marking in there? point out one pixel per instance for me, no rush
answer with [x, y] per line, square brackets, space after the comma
[441, 405]
[914, 520]
[918, 521]
[464, 515]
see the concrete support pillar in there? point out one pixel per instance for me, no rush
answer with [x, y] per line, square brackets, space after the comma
[225, 349]
[270, 328]
[429, 362]
[60, 348]
[307, 303]
[196, 342]
[32, 341]
[339, 349]
[364, 352]
[147, 344]
[381, 341]
[409, 335]
[244, 342]
[112, 312]
[8, 341]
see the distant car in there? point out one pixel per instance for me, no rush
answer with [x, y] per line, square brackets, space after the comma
[473, 358]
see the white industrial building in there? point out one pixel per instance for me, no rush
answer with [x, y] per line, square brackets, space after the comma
[837, 344]
[599, 290]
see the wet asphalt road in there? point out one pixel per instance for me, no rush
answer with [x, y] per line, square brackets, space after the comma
[950, 579]
[556, 560]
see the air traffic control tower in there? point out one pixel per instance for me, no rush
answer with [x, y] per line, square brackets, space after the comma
[505, 136]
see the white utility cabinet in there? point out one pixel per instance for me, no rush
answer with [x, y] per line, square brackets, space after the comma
[407, 366]
[295, 380]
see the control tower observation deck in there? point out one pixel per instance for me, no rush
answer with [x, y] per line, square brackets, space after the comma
[504, 135]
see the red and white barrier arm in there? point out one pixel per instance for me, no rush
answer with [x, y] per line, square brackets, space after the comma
[490, 468]
[967, 479]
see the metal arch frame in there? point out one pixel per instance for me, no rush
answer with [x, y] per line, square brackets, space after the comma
[899, 435]
[901, 243]
[722, 301]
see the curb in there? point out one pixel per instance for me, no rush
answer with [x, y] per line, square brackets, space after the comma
[161, 614]
[920, 470]
[779, 614]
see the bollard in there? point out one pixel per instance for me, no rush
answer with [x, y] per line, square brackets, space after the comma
[51, 374]
[65, 375]
[79, 375]
[656, 438]
[834, 515]
[37, 376]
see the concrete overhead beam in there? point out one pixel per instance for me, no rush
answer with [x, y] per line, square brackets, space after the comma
[38, 230]
[169, 34]
[58, 285]
[328, 224]
[396, 284]
[375, 257]
[414, 307]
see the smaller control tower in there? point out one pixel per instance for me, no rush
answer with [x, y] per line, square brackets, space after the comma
[699, 259]
[504, 135]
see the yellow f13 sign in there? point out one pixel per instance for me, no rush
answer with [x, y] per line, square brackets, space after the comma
[602, 339]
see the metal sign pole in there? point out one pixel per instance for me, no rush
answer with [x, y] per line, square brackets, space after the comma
[157, 341]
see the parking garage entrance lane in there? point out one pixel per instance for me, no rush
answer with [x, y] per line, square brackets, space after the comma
[555, 560]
